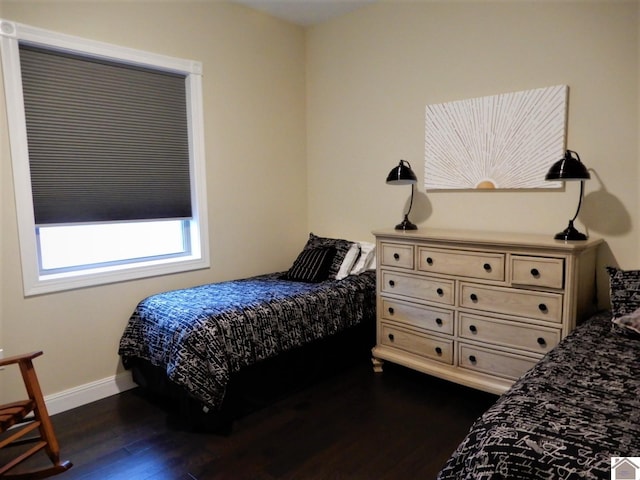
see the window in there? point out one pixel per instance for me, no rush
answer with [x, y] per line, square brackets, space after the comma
[108, 160]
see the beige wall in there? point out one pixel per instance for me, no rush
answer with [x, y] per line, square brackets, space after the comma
[371, 73]
[253, 88]
[368, 78]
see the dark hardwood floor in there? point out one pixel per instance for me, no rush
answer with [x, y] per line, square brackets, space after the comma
[351, 425]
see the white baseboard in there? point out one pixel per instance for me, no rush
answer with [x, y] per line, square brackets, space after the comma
[89, 392]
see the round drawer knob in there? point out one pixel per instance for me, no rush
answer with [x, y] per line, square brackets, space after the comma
[438, 350]
[543, 308]
[473, 329]
[392, 283]
[396, 256]
[535, 272]
[473, 297]
[440, 292]
[472, 359]
[391, 311]
[391, 337]
[439, 322]
[429, 261]
[541, 341]
[487, 267]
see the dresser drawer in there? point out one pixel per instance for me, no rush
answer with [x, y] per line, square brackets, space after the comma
[435, 290]
[429, 318]
[536, 339]
[493, 362]
[431, 347]
[537, 271]
[487, 266]
[396, 255]
[512, 301]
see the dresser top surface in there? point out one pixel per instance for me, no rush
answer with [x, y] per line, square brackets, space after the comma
[476, 237]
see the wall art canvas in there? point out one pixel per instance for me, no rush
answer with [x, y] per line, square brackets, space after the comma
[505, 141]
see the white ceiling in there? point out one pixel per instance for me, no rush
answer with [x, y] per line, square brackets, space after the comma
[305, 12]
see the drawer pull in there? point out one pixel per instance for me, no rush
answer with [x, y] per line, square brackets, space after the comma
[473, 297]
[472, 359]
[396, 256]
[473, 329]
[438, 350]
[541, 341]
[429, 261]
[440, 292]
[543, 307]
[439, 322]
[391, 337]
[392, 283]
[391, 311]
[535, 272]
[487, 267]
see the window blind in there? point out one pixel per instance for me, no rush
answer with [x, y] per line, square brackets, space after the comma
[107, 141]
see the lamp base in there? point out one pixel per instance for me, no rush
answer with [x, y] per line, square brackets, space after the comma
[406, 224]
[570, 233]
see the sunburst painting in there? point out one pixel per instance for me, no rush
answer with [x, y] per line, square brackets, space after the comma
[503, 141]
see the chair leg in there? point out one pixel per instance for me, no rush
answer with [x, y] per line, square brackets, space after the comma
[39, 474]
[40, 411]
[47, 441]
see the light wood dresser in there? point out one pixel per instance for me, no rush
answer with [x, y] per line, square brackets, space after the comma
[478, 308]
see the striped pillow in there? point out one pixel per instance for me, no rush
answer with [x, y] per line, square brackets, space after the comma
[312, 265]
[341, 247]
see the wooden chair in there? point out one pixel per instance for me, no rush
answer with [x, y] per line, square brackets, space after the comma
[17, 415]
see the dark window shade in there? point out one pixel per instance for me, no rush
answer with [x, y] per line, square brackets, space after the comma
[107, 141]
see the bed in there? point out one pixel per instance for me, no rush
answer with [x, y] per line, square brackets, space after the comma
[198, 340]
[575, 413]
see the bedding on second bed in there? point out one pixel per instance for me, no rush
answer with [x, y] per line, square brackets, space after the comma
[565, 418]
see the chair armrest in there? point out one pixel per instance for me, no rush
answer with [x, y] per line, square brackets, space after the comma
[19, 358]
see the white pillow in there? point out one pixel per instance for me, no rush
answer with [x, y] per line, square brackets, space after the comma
[367, 258]
[349, 260]
[372, 263]
[630, 321]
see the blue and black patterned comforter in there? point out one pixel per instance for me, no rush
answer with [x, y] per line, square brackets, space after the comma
[200, 336]
[565, 418]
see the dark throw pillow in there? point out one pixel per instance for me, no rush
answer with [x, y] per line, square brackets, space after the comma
[624, 290]
[312, 265]
[341, 248]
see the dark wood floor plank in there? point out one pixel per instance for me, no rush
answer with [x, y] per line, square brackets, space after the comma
[350, 426]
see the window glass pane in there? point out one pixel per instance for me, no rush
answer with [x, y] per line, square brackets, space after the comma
[69, 246]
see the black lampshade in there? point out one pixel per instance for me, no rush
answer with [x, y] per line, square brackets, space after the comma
[402, 174]
[568, 169]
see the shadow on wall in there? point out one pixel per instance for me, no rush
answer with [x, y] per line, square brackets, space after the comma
[603, 213]
[421, 209]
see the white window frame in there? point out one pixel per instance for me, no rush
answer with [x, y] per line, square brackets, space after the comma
[35, 283]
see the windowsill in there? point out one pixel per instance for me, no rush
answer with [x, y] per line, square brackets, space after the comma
[106, 275]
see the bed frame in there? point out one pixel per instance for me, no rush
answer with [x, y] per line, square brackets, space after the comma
[258, 385]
